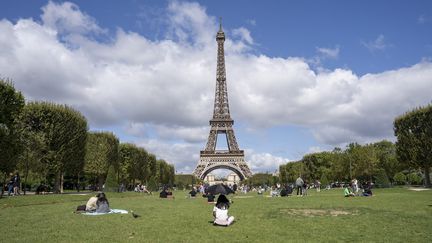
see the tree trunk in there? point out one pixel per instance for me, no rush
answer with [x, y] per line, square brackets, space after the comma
[4, 183]
[26, 174]
[59, 183]
[427, 176]
[101, 181]
[78, 182]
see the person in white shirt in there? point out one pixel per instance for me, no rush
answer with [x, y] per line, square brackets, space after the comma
[220, 212]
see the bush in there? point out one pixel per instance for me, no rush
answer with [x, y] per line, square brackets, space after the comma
[382, 179]
[414, 179]
[400, 178]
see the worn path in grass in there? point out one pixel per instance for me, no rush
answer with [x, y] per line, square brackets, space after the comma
[393, 215]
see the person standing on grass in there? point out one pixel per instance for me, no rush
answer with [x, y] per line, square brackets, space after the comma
[10, 184]
[16, 184]
[299, 185]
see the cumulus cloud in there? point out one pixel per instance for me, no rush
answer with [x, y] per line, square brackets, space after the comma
[264, 162]
[166, 86]
[67, 18]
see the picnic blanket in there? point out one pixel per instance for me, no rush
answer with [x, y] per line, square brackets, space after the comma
[120, 211]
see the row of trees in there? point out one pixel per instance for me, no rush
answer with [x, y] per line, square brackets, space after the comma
[50, 142]
[364, 162]
[383, 162]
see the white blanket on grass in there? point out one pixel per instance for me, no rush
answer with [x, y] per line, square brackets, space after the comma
[120, 211]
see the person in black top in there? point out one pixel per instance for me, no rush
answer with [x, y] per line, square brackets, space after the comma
[210, 198]
[16, 183]
[193, 193]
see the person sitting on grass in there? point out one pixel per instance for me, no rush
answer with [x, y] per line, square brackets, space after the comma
[98, 204]
[91, 204]
[192, 194]
[220, 212]
[102, 204]
[348, 192]
[210, 198]
[367, 190]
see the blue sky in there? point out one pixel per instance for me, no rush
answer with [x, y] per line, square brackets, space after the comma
[303, 76]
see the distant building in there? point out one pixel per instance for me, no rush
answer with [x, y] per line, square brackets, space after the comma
[233, 178]
[210, 179]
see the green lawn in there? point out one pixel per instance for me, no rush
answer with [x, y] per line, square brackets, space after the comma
[392, 215]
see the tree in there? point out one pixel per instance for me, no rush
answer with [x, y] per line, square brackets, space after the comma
[11, 105]
[414, 139]
[64, 131]
[400, 178]
[101, 152]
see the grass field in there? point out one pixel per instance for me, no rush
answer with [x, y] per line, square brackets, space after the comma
[392, 215]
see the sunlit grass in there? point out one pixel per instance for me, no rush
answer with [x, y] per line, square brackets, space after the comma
[392, 215]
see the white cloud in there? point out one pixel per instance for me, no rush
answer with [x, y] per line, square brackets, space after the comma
[167, 86]
[67, 18]
[379, 44]
[328, 52]
[243, 34]
[264, 162]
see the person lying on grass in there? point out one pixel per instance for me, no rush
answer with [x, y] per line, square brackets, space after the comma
[220, 212]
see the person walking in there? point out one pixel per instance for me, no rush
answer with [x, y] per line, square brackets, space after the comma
[299, 185]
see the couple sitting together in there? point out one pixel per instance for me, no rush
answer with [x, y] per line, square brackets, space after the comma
[96, 204]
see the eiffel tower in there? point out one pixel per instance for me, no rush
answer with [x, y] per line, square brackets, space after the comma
[221, 123]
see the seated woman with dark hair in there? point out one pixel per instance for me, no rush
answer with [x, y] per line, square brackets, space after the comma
[220, 212]
[102, 204]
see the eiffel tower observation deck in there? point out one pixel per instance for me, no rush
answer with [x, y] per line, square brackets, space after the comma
[221, 123]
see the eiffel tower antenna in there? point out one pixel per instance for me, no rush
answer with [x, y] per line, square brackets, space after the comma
[220, 24]
[221, 123]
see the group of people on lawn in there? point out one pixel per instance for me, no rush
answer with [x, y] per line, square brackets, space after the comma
[100, 204]
[353, 189]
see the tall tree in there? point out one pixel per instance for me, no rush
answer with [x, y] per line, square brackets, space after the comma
[64, 131]
[101, 153]
[414, 139]
[11, 105]
[386, 154]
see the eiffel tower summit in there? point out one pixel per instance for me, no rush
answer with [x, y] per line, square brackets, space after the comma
[221, 124]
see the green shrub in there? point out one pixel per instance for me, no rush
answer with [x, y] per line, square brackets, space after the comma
[414, 179]
[400, 178]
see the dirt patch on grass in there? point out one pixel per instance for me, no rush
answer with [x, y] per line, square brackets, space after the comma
[243, 196]
[308, 212]
[418, 189]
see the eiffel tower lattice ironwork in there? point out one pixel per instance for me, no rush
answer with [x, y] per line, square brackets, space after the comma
[221, 123]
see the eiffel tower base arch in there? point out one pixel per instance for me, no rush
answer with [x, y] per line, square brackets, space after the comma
[209, 163]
